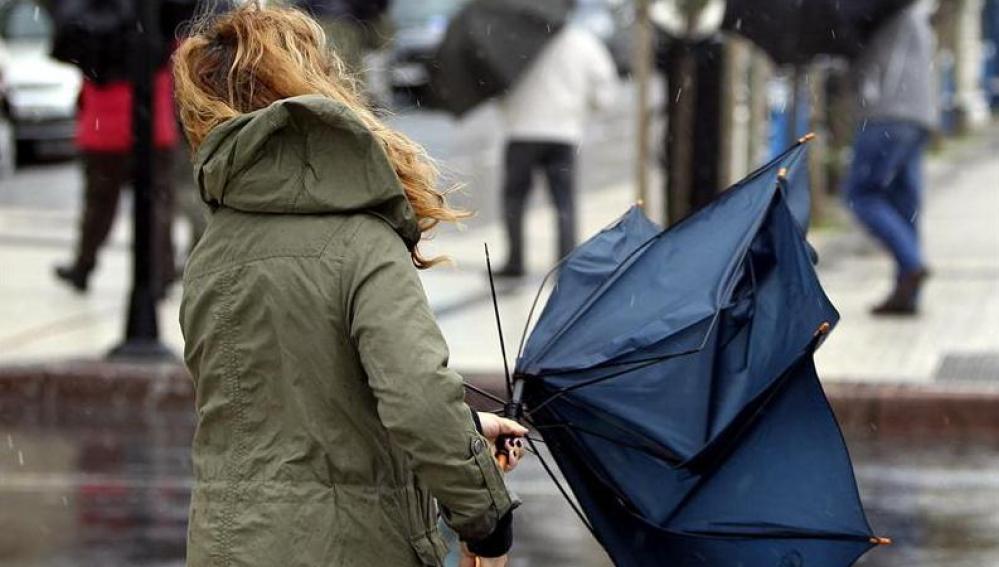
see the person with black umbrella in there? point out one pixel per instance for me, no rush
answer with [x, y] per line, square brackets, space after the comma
[897, 111]
[545, 115]
[98, 36]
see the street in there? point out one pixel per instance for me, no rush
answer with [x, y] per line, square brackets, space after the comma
[110, 486]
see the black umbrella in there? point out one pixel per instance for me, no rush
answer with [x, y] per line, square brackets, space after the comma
[795, 31]
[100, 36]
[488, 45]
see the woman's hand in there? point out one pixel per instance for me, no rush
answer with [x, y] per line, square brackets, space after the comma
[468, 559]
[494, 427]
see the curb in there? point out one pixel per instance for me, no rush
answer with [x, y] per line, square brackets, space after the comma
[103, 393]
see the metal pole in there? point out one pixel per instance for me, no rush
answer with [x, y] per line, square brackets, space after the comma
[643, 74]
[142, 329]
[795, 107]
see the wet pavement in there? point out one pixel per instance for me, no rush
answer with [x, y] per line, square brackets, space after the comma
[109, 486]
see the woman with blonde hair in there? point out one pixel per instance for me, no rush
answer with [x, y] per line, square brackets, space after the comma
[328, 420]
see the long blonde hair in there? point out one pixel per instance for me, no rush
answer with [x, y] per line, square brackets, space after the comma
[252, 56]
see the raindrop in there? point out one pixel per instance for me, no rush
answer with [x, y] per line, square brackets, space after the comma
[738, 24]
[36, 13]
[97, 124]
[65, 501]
[489, 30]
[833, 33]
[912, 219]
[10, 441]
[20, 458]
[679, 92]
[632, 302]
[887, 135]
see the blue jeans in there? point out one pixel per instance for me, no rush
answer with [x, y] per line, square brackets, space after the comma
[885, 187]
[453, 544]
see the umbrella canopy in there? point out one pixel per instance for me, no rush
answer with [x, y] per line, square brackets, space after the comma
[488, 45]
[795, 31]
[671, 375]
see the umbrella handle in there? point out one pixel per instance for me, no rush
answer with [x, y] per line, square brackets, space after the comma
[502, 456]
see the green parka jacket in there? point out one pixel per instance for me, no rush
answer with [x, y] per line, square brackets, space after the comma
[328, 419]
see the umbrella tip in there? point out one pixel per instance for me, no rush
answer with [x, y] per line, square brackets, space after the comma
[823, 328]
[640, 203]
[876, 540]
[782, 173]
[806, 138]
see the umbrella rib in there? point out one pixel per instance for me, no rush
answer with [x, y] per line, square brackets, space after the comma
[544, 281]
[782, 534]
[644, 364]
[615, 362]
[499, 325]
[595, 294]
[534, 305]
[576, 427]
[565, 390]
[484, 393]
[561, 489]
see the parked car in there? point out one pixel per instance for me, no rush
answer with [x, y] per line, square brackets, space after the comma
[421, 24]
[41, 93]
[420, 27]
[8, 155]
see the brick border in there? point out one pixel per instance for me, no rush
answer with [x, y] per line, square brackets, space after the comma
[67, 392]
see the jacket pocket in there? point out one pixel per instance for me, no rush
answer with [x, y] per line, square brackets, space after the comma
[429, 547]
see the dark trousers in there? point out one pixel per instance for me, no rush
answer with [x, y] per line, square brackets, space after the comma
[558, 162]
[105, 174]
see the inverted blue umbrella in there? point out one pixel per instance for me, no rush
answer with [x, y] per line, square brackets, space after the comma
[671, 375]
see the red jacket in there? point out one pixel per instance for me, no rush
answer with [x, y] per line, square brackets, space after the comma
[104, 123]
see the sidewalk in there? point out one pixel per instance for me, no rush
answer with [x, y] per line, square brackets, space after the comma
[955, 340]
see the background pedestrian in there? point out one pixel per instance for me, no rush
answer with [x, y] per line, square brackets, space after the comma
[96, 35]
[897, 112]
[545, 116]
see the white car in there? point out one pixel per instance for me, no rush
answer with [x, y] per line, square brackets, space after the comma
[41, 94]
[8, 156]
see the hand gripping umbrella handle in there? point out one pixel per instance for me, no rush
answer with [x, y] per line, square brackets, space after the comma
[514, 409]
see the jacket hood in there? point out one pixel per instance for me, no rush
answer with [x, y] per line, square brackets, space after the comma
[302, 155]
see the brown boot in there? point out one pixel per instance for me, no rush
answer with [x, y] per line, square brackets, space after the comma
[904, 299]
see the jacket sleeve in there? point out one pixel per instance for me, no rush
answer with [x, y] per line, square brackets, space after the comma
[602, 73]
[420, 400]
